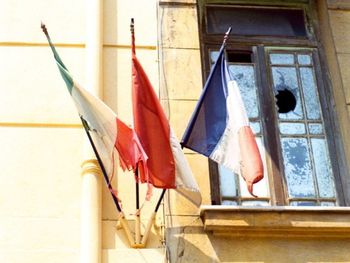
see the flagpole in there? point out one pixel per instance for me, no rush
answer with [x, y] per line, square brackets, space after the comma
[137, 214]
[122, 216]
[152, 219]
[153, 216]
[141, 243]
[86, 128]
[160, 200]
[226, 35]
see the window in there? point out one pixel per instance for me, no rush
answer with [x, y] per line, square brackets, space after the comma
[277, 68]
[256, 21]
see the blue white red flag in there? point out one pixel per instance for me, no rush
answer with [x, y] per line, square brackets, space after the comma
[219, 127]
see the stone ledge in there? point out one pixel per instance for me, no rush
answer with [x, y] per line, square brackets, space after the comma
[305, 222]
[338, 4]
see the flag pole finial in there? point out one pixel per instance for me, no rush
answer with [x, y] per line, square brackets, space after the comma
[227, 35]
[43, 27]
[132, 25]
[132, 30]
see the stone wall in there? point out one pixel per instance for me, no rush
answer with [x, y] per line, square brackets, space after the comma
[189, 236]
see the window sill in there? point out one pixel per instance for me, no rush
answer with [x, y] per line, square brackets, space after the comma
[281, 221]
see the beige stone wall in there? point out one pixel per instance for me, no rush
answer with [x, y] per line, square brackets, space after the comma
[340, 25]
[41, 138]
[40, 134]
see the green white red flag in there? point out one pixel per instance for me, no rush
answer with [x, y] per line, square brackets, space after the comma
[107, 131]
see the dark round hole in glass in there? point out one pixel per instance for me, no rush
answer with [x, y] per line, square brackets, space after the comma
[285, 101]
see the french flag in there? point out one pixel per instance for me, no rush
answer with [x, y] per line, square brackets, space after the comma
[219, 126]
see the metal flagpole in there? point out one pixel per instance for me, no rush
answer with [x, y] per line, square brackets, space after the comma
[151, 220]
[122, 216]
[226, 35]
[137, 214]
[86, 127]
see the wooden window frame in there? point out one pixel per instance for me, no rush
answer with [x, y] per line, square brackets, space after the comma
[278, 193]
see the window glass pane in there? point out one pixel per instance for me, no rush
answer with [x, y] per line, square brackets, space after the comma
[285, 78]
[307, 166]
[255, 203]
[315, 128]
[228, 185]
[302, 203]
[304, 59]
[292, 128]
[322, 168]
[213, 56]
[256, 21]
[310, 94]
[245, 78]
[297, 167]
[228, 202]
[327, 204]
[255, 127]
[282, 59]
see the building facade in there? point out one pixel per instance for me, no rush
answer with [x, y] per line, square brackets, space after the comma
[54, 204]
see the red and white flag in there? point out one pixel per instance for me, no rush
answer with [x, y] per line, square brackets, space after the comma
[167, 165]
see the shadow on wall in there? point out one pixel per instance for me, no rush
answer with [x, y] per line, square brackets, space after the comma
[189, 244]
[192, 244]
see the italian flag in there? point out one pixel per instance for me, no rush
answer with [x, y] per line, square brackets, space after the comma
[108, 133]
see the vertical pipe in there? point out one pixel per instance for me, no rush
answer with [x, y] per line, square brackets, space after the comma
[91, 208]
[90, 242]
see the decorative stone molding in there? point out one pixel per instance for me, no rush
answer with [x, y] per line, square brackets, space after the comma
[90, 166]
[289, 222]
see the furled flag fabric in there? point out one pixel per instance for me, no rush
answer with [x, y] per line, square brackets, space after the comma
[167, 166]
[107, 131]
[219, 127]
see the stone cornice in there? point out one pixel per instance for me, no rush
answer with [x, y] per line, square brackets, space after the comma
[338, 4]
[289, 222]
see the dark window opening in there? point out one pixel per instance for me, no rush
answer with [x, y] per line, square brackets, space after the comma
[256, 21]
[239, 57]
